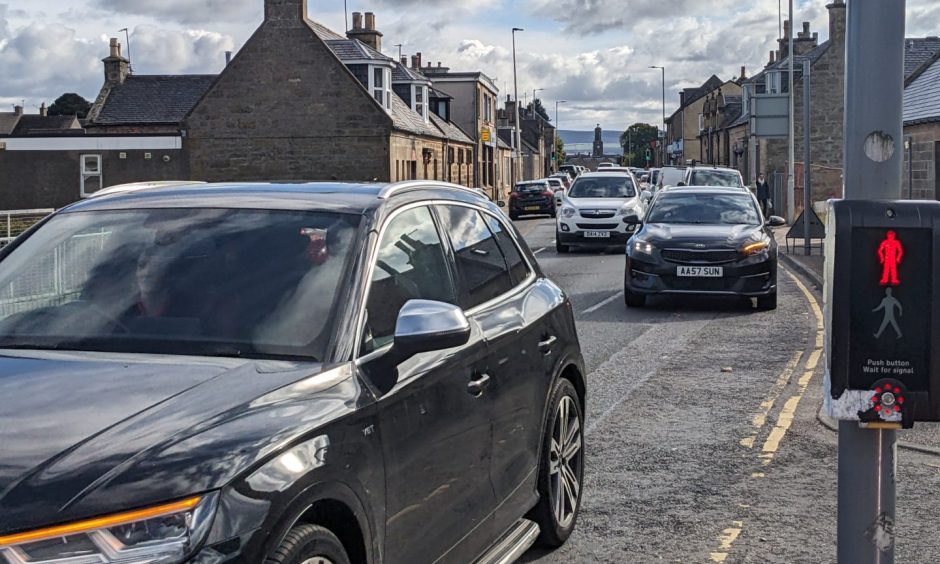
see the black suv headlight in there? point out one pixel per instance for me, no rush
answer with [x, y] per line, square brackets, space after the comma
[166, 533]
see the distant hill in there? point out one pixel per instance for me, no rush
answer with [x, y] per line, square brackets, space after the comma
[583, 141]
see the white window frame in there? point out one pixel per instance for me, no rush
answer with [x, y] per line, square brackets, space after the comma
[423, 89]
[701, 123]
[386, 87]
[90, 180]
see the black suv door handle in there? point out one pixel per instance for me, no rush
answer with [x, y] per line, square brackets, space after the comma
[546, 345]
[476, 387]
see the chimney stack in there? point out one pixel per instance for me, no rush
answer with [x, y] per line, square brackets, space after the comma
[743, 72]
[17, 110]
[772, 60]
[285, 13]
[43, 110]
[367, 33]
[414, 61]
[837, 22]
[805, 41]
[116, 67]
[404, 61]
[784, 42]
[228, 57]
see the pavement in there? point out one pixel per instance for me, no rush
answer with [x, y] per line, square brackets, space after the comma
[924, 437]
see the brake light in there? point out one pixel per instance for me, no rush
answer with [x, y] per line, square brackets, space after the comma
[513, 195]
[548, 194]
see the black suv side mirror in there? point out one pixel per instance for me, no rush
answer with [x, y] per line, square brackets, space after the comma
[776, 221]
[425, 326]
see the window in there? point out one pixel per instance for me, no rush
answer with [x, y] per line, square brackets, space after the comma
[518, 267]
[481, 269]
[487, 108]
[420, 95]
[380, 85]
[91, 174]
[410, 265]
[701, 123]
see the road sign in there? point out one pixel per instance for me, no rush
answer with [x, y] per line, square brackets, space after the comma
[770, 115]
[883, 261]
[485, 135]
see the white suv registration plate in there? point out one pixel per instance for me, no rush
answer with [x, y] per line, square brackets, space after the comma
[700, 271]
[597, 234]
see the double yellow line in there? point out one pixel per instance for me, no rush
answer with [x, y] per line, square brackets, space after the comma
[784, 419]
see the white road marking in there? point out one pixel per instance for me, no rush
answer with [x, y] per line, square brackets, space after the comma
[537, 251]
[598, 306]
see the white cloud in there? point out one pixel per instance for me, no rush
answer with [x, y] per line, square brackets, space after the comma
[186, 12]
[164, 51]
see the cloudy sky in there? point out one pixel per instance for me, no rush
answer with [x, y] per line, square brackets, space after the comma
[592, 53]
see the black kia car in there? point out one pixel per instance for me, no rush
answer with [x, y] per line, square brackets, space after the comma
[534, 197]
[702, 240]
[284, 373]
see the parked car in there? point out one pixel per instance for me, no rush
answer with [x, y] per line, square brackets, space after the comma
[572, 170]
[593, 209]
[671, 176]
[558, 187]
[565, 179]
[536, 197]
[285, 373]
[702, 240]
[605, 165]
[714, 176]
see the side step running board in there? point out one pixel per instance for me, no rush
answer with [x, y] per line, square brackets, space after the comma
[513, 544]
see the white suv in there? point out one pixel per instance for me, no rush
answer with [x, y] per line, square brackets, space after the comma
[594, 208]
[714, 176]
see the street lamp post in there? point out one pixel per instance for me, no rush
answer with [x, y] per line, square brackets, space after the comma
[663, 142]
[515, 83]
[555, 138]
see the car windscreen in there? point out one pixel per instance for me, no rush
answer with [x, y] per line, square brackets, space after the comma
[603, 187]
[530, 187]
[704, 209]
[714, 178]
[213, 282]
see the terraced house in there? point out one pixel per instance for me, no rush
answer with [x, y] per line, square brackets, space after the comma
[298, 101]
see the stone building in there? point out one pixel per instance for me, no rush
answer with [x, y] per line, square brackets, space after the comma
[685, 124]
[921, 179]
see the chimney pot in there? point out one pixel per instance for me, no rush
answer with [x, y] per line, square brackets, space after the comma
[357, 20]
[418, 59]
[370, 21]
[228, 57]
[43, 110]
[414, 62]
[404, 60]
[806, 27]
[743, 73]
[438, 64]
[115, 47]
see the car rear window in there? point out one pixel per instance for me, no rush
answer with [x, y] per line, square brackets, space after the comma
[530, 187]
[715, 178]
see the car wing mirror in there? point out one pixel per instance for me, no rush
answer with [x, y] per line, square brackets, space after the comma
[776, 221]
[632, 220]
[425, 326]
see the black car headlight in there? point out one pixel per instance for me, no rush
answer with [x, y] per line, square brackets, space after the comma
[755, 249]
[165, 534]
[642, 247]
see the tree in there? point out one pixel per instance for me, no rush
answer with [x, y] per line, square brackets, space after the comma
[540, 109]
[635, 140]
[70, 104]
[559, 152]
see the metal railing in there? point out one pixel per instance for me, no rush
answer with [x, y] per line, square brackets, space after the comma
[15, 222]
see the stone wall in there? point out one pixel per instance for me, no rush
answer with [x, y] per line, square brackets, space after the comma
[924, 167]
[286, 108]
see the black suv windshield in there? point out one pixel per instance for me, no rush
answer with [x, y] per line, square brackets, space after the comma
[715, 178]
[603, 187]
[216, 282]
[707, 209]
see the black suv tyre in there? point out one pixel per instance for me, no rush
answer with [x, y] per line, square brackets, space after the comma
[561, 468]
[768, 302]
[309, 543]
[633, 300]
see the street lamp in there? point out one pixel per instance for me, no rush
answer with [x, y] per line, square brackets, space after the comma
[515, 82]
[663, 142]
[555, 138]
[534, 90]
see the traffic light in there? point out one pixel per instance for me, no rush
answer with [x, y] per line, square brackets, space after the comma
[883, 326]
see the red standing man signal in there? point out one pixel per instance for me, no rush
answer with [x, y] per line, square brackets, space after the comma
[890, 253]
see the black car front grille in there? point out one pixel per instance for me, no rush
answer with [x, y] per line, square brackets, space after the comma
[597, 214]
[689, 256]
[597, 226]
[699, 284]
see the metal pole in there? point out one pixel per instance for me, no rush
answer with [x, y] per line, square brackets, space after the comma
[807, 122]
[663, 142]
[791, 165]
[518, 136]
[872, 171]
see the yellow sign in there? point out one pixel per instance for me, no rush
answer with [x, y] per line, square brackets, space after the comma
[485, 135]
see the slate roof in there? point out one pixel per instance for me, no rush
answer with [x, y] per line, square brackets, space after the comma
[153, 99]
[435, 93]
[918, 51]
[401, 73]
[404, 118]
[354, 50]
[922, 95]
[450, 130]
[8, 121]
[36, 124]
[693, 94]
[323, 32]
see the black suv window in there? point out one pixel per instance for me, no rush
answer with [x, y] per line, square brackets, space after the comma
[517, 265]
[480, 265]
[410, 265]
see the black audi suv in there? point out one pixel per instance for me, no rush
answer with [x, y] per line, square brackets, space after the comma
[284, 373]
[702, 240]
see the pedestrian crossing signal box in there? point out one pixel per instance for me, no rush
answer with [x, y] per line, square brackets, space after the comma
[882, 322]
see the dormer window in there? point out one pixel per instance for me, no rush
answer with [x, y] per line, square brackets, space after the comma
[380, 85]
[419, 100]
